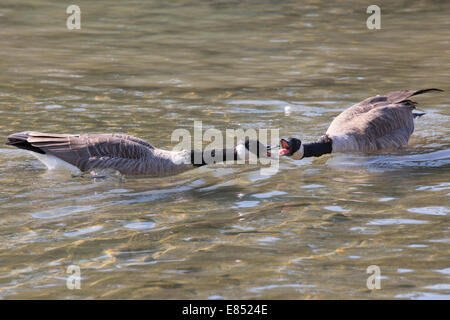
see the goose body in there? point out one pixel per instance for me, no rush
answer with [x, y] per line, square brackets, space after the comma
[376, 123]
[124, 153]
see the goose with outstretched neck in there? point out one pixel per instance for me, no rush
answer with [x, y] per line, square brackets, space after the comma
[127, 154]
[376, 123]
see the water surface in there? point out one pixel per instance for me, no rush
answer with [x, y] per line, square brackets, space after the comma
[148, 67]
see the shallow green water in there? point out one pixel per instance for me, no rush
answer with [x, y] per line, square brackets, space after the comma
[149, 67]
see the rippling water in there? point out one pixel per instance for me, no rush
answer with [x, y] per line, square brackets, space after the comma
[149, 67]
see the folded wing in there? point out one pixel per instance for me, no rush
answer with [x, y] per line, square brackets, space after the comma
[124, 153]
[380, 122]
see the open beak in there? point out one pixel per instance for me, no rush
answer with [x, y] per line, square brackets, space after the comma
[268, 153]
[285, 148]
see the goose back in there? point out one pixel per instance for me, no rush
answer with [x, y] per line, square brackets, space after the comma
[380, 122]
[124, 153]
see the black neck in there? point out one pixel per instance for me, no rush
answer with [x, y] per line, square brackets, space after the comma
[316, 149]
[201, 158]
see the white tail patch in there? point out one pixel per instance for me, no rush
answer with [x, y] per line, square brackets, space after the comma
[54, 163]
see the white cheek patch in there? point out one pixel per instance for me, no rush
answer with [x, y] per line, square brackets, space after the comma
[242, 152]
[297, 155]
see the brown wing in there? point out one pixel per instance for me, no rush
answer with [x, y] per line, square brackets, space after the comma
[385, 127]
[368, 104]
[89, 151]
[381, 122]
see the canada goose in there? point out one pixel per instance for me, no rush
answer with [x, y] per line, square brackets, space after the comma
[124, 153]
[381, 122]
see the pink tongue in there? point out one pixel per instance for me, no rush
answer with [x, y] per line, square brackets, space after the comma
[283, 152]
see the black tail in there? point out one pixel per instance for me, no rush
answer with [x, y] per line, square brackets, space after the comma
[426, 90]
[417, 114]
[20, 140]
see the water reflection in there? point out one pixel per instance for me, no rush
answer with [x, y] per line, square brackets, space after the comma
[222, 232]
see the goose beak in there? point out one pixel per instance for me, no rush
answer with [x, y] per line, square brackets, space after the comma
[268, 153]
[285, 148]
[255, 147]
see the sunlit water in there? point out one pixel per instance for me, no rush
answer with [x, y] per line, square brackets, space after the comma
[148, 67]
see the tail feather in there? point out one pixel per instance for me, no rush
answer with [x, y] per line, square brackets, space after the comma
[20, 140]
[17, 137]
[403, 95]
[418, 114]
[426, 90]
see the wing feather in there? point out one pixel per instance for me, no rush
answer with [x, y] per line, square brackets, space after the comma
[124, 153]
[383, 127]
[375, 123]
[392, 98]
